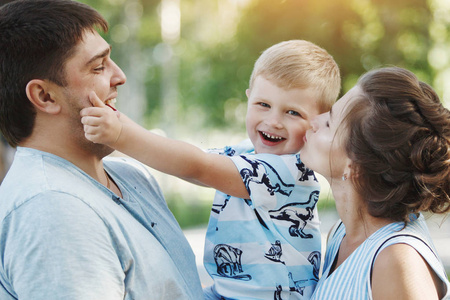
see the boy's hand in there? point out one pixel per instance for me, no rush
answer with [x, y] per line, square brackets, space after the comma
[101, 123]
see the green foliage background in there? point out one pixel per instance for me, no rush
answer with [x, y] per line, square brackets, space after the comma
[220, 40]
[360, 34]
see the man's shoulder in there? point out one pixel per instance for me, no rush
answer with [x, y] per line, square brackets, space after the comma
[125, 166]
[124, 162]
[130, 171]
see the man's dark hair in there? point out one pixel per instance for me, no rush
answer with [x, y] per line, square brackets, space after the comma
[37, 38]
[2, 2]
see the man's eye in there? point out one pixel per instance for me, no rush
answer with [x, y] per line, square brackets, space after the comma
[99, 69]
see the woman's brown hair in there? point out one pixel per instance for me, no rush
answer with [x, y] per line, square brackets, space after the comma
[399, 142]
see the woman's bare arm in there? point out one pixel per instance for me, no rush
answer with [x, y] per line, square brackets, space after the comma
[400, 272]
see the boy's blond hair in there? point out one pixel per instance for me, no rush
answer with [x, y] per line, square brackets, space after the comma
[300, 64]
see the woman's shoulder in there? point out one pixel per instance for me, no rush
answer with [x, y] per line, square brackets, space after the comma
[399, 271]
[406, 264]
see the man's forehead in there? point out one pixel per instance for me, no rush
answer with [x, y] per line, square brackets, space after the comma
[91, 46]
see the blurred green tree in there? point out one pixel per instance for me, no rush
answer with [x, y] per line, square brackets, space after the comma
[221, 39]
[360, 34]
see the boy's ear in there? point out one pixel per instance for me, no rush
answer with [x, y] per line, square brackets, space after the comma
[39, 94]
[247, 92]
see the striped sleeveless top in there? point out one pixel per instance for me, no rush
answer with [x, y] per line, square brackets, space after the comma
[352, 279]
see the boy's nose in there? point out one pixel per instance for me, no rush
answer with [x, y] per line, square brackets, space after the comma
[274, 121]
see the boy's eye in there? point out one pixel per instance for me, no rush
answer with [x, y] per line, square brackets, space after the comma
[264, 104]
[327, 124]
[294, 113]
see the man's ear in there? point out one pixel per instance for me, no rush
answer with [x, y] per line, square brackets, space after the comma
[39, 93]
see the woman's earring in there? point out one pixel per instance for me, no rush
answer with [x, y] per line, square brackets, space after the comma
[344, 177]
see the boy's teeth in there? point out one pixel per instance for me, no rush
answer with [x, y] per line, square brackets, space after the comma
[271, 136]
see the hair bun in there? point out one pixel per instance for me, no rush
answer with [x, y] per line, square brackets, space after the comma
[400, 145]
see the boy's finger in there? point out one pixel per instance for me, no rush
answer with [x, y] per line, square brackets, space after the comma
[87, 129]
[88, 121]
[96, 102]
[89, 137]
[91, 111]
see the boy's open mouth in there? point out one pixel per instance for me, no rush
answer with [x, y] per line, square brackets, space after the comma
[271, 138]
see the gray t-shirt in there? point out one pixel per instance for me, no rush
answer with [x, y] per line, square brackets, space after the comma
[65, 236]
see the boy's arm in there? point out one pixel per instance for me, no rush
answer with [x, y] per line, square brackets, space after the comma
[177, 158]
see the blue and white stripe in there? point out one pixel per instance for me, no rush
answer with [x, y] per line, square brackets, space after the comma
[351, 280]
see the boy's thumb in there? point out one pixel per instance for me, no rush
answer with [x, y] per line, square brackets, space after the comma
[96, 102]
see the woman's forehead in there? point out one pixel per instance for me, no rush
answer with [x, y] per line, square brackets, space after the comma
[346, 101]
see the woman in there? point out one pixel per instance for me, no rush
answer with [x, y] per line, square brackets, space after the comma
[385, 150]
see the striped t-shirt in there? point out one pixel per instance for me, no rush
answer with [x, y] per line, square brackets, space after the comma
[268, 246]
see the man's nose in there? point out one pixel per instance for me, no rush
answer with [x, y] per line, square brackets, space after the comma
[118, 77]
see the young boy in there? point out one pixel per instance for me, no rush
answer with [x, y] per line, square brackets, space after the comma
[263, 237]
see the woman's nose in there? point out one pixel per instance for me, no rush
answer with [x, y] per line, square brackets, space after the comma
[315, 123]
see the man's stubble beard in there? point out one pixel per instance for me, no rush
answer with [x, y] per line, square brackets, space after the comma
[85, 145]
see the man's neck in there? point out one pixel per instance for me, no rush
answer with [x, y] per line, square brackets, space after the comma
[87, 161]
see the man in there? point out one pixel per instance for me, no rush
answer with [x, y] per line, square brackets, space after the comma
[74, 226]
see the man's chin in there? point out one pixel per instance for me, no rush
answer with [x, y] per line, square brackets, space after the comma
[98, 150]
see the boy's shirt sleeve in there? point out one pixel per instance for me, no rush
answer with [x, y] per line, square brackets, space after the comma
[244, 147]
